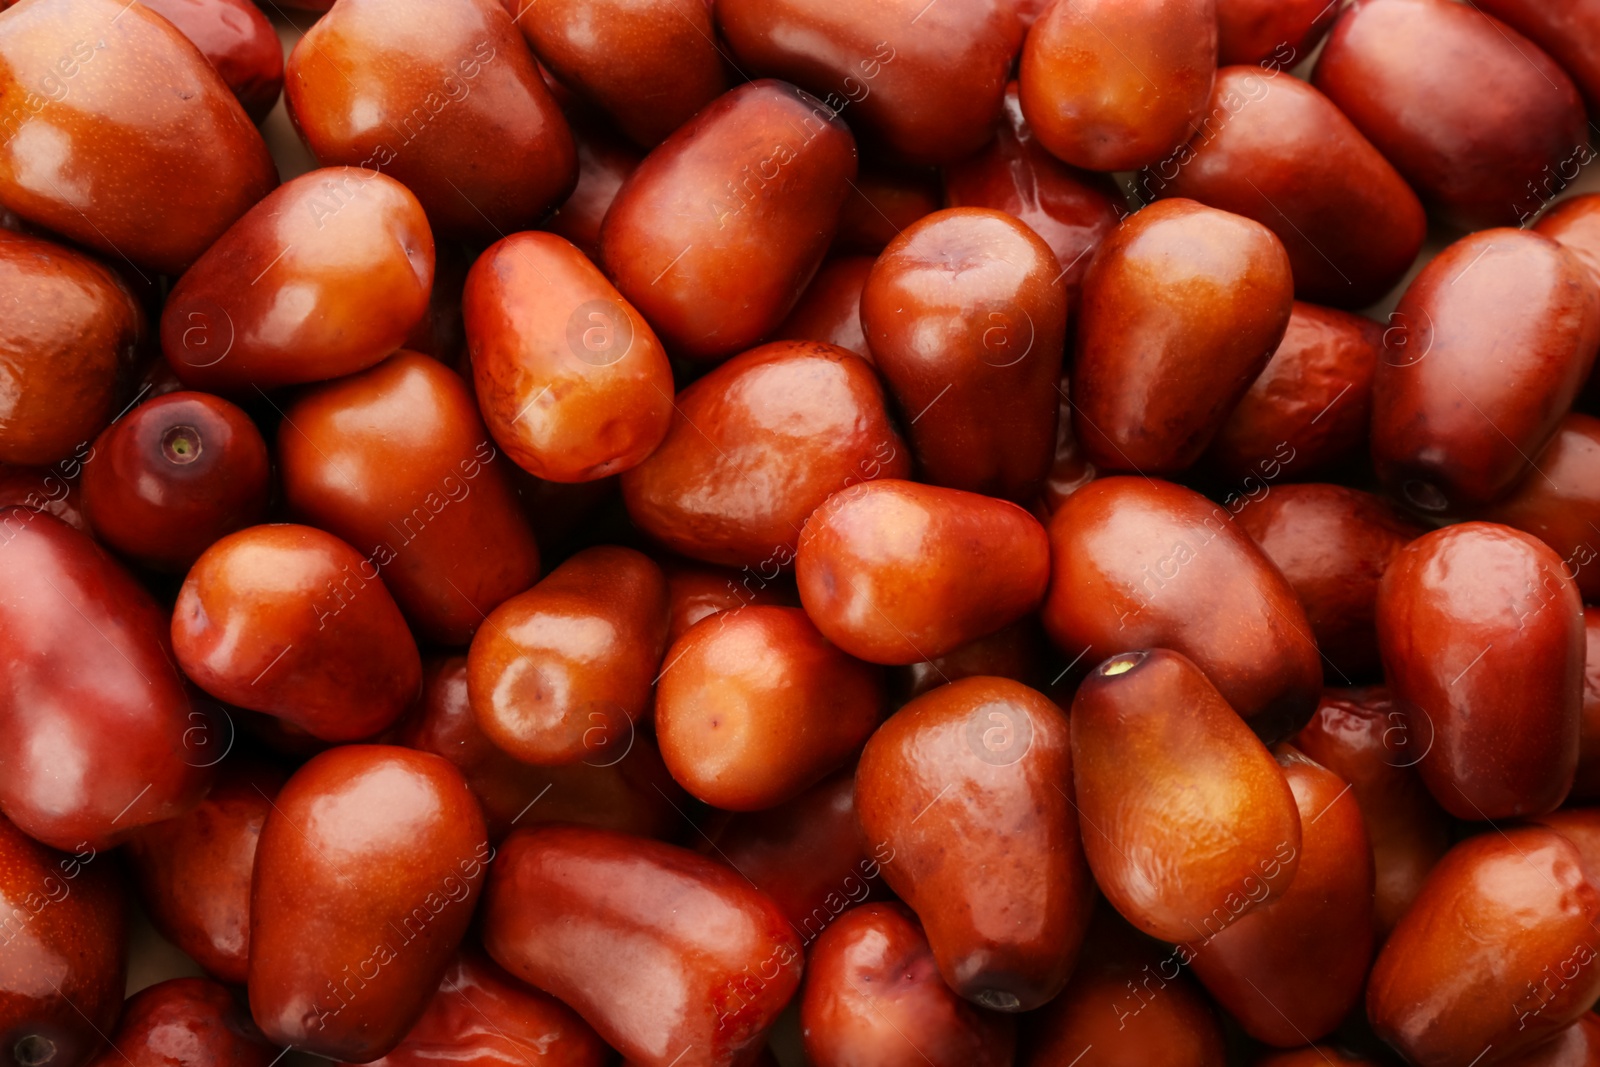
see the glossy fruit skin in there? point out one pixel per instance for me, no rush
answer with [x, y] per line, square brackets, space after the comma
[1106, 86]
[174, 475]
[1485, 112]
[396, 461]
[696, 590]
[885, 569]
[570, 378]
[493, 153]
[373, 857]
[1497, 949]
[665, 953]
[1273, 34]
[1315, 1056]
[994, 870]
[806, 854]
[1275, 150]
[1015, 652]
[1311, 945]
[53, 490]
[830, 308]
[323, 278]
[1333, 545]
[193, 872]
[1161, 762]
[1586, 782]
[706, 241]
[133, 112]
[92, 744]
[1362, 736]
[236, 38]
[1560, 504]
[328, 651]
[560, 672]
[65, 922]
[1483, 646]
[186, 1022]
[1129, 1001]
[1070, 470]
[884, 199]
[1575, 224]
[482, 1017]
[1308, 412]
[1142, 564]
[1152, 389]
[650, 66]
[1569, 32]
[69, 330]
[871, 984]
[1576, 1046]
[630, 792]
[925, 85]
[604, 162]
[966, 319]
[755, 446]
[1451, 340]
[1071, 209]
[754, 706]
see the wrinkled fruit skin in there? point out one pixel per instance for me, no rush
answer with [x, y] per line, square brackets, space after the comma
[1182, 308]
[162, 158]
[963, 787]
[366, 875]
[1483, 646]
[188, 1022]
[1498, 949]
[713, 240]
[671, 957]
[66, 923]
[1137, 563]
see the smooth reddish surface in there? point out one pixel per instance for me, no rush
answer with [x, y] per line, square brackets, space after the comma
[397, 463]
[673, 958]
[922, 83]
[1586, 782]
[452, 107]
[1141, 564]
[1574, 223]
[482, 1017]
[754, 706]
[604, 162]
[1307, 413]
[193, 872]
[1273, 149]
[236, 38]
[885, 569]
[1465, 393]
[1476, 117]
[1273, 33]
[173, 476]
[65, 926]
[366, 875]
[324, 277]
[1188, 822]
[1015, 652]
[1362, 736]
[713, 240]
[1483, 646]
[623, 787]
[560, 673]
[1113, 84]
[1559, 502]
[884, 199]
[1071, 209]
[1497, 950]
[328, 651]
[755, 446]
[1576, 1046]
[1070, 470]
[649, 65]
[695, 590]
[966, 323]
[68, 332]
[150, 156]
[873, 995]
[1568, 29]
[570, 378]
[1333, 545]
[1291, 969]
[185, 1022]
[53, 490]
[95, 719]
[964, 784]
[830, 308]
[1182, 308]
